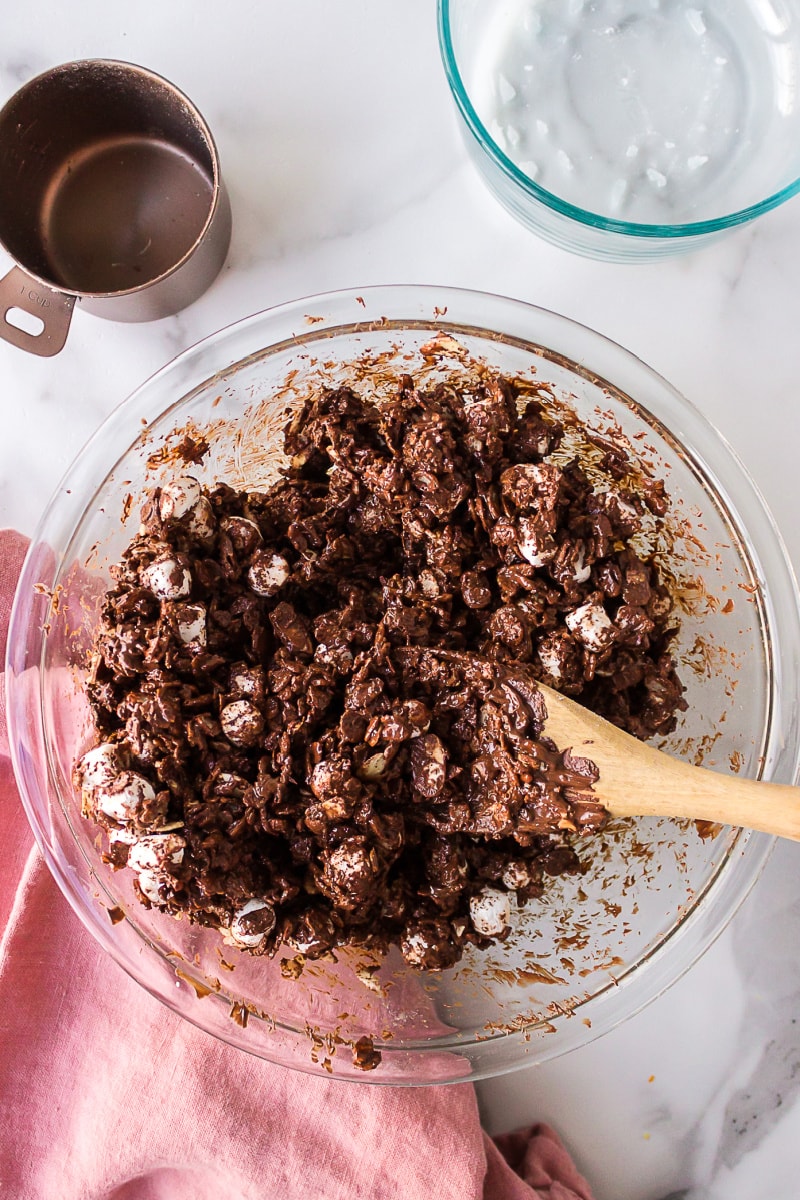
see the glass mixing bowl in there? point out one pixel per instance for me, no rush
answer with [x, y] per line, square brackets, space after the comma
[654, 894]
[629, 129]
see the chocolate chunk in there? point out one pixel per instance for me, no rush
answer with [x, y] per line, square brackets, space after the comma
[365, 1056]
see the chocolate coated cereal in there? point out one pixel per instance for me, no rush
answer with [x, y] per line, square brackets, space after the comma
[317, 705]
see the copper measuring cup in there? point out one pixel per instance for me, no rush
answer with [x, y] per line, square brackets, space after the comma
[110, 194]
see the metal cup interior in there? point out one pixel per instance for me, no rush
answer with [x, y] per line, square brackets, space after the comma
[109, 177]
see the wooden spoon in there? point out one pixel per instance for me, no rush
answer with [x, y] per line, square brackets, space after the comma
[636, 780]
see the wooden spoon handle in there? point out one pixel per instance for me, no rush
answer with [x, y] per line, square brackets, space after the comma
[638, 780]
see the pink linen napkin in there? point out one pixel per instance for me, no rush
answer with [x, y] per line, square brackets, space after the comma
[105, 1094]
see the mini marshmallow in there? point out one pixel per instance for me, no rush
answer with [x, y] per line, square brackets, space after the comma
[347, 863]
[167, 579]
[200, 522]
[418, 715]
[248, 681]
[582, 570]
[520, 482]
[268, 573]
[534, 546]
[414, 949]
[539, 474]
[244, 533]
[123, 799]
[121, 837]
[490, 912]
[241, 722]
[250, 933]
[155, 851]
[551, 660]
[155, 886]
[428, 765]
[335, 808]
[516, 875]
[178, 497]
[592, 625]
[99, 766]
[192, 624]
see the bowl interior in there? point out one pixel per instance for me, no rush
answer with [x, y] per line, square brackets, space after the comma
[598, 945]
[631, 113]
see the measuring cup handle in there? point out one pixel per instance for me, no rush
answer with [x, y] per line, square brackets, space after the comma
[52, 309]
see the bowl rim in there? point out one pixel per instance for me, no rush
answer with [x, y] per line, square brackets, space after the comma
[230, 347]
[586, 217]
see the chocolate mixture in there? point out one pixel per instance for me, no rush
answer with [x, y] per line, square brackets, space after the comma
[317, 705]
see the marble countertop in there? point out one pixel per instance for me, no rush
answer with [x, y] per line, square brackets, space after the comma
[340, 148]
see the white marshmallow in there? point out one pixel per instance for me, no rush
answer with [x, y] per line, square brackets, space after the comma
[524, 477]
[551, 661]
[200, 522]
[348, 862]
[153, 852]
[178, 497]
[123, 799]
[99, 766]
[582, 569]
[248, 681]
[242, 530]
[540, 473]
[155, 885]
[337, 656]
[239, 932]
[536, 548]
[121, 837]
[490, 912]
[592, 625]
[167, 579]
[192, 625]
[516, 875]
[268, 574]
[241, 722]
[414, 949]
[415, 711]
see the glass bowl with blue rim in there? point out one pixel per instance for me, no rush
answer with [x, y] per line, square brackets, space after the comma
[629, 130]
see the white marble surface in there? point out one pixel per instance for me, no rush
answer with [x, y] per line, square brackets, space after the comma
[340, 148]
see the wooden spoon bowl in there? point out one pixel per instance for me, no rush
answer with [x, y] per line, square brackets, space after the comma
[637, 780]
